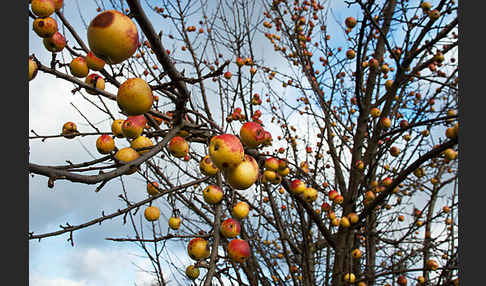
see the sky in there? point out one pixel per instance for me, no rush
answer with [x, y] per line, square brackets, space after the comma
[93, 260]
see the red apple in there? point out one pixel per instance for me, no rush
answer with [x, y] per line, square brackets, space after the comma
[252, 134]
[55, 43]
[178, 147]
[105, 144]
[238, 250]
[133, 126]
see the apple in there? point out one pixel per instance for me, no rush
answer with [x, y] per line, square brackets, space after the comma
[450, 154]
[238, 250]
[133, 126]
[384, 69]
[387, 182]
[271, 164]
[105, 144]
[356, 253]
[402, 281]
[360, 165]
[244, 175]
[240, 62]
[230, 228]
[344, 222]
[338, 199]
[213, 194]
[33, 68]
[350, 54]
[325, 207]
[373, 63]
[353, 218]
[42, 8]
[240, 210]
[69, 130]
[45, 27]
[93, 62]
[452, 132]
[227, 75]
[112, 36]
[388, 84]
[116, 128]
[269, 175]
[349, 277]
[434, 14]
[385, 122]
[267, 141]
[152, 188]
[252, 134]
[421, 279]
[174, 222]
[178, 147]
[58, 4]
[226, 151]
[198, 248]
[297, 187]
[309, 194]
[55, 43]
[331, 215]
[134, 96]
[78, 67]
[152, 213]
[369, 195]
[350, 22]
[419, 172]
[96, 81]
[426, 6]
[192, 272]
[126, 155]
[394, 151]
[375, 112]
[207, 167]
[141, 142]
[401, 218]
[404, 123]
[432, 264]
[335, 221]
[332, 194]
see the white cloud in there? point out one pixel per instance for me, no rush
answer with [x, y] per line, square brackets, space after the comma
[37, 279]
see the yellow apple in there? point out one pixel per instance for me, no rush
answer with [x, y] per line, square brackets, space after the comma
[207, 167]
[116, 128]
[134, 96]
[243, 175]
[141, 142]
[240, 210]
[105, 144]
[78, 67]
[112, 36]
[198, 248]
[45, 27]
[213, 194]
[152, 213]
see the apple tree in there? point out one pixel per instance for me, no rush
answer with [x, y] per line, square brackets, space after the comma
[280, 142]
